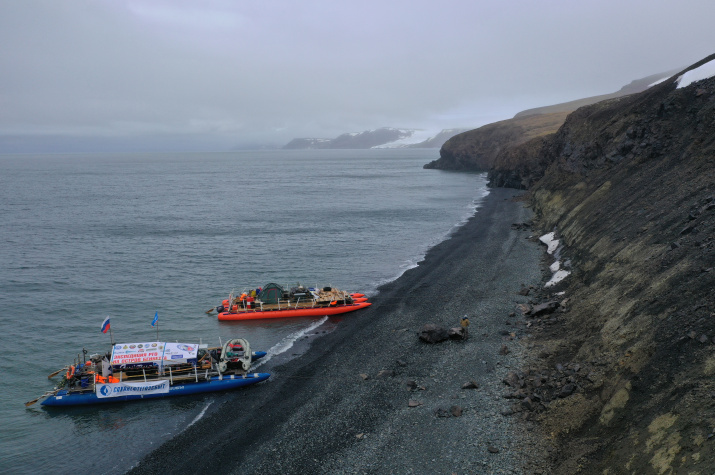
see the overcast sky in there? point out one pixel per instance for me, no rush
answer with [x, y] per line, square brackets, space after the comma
[243, 72]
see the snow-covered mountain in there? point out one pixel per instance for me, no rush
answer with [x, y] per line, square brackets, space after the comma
[385, 137]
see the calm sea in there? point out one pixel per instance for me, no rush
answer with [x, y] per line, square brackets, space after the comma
[127, 235]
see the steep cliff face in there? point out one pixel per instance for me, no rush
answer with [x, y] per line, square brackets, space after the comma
[629, 186]
[477, 149]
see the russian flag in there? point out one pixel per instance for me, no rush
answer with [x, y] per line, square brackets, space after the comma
[105, 325]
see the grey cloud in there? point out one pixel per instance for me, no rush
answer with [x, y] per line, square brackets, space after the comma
[265, 72]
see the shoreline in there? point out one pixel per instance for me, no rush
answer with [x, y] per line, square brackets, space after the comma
[342, 406]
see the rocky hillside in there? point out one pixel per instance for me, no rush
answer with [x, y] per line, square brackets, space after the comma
[478, 149]
[623, 372]
[633, 87]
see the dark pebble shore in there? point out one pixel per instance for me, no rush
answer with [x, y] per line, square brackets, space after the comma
[370, 397]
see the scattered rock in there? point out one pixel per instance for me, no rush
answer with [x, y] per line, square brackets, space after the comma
[432, 333]
[401, 363]
[688, 229]
[413, 403]
[524, 291]
[470, 385]
[456, 411]
[364, 376]
[512, 379]
[703, 339]
[386, 373]
[457, 333]
[544, 308]
[567, 390]
[492, 449]
[442, 412]
[411, 385]
[528, 404]
[504, 350]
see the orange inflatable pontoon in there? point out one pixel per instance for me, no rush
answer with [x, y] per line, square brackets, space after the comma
[291, 312]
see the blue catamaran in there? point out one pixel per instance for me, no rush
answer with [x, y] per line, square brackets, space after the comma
[155, 369]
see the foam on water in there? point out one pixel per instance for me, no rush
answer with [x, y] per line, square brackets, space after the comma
[288, 341]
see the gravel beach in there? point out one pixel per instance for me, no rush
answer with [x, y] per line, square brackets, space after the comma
[370, 397]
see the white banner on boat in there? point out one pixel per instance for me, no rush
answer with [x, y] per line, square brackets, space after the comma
[128, 353]
[132, 389]
[153, 352]
[180, 351]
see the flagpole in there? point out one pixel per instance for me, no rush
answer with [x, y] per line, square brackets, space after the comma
[155, 323]
[111, 336]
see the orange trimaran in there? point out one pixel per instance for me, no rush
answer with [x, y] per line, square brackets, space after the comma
[272, 301]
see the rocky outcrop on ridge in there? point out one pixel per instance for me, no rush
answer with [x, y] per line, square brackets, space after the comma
[479, 149]
[623, 374]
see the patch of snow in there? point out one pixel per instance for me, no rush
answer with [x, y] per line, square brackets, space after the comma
[557, 277]
[415, 137]
[555, 266]
[657, 82]
[705, 71]
[551, 243]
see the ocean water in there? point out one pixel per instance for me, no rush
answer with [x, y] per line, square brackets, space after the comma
[127, 235]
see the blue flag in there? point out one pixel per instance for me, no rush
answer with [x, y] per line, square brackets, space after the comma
[156, 319]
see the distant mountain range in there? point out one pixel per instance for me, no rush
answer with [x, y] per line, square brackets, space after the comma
[385, 137]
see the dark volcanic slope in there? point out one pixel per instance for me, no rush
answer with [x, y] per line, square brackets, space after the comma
[318, 415]
[630, 188]
[479, 149]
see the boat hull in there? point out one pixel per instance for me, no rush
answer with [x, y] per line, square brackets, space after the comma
[63, 398]
[292, 312]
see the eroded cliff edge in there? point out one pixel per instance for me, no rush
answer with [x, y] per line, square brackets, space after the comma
[629, 186]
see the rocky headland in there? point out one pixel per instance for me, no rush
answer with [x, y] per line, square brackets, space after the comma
[620, 371]
[478, 149]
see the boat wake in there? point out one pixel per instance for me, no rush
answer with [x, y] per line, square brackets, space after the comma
[287, 342]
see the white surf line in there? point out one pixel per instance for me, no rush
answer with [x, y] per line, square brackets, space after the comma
[411, 263]
[281, 347]
[199, 416]
[287, 343]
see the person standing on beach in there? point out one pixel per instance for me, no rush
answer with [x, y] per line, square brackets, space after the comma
[465, 325]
